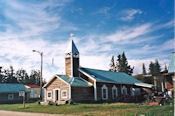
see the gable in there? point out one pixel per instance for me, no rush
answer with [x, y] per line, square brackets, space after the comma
[75, 81]
[53, 80]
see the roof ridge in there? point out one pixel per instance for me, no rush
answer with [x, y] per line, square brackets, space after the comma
[102, 70]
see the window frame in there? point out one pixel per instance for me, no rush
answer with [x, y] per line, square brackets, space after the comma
[12, 96]
[124, 90]
[102, 94]
[116, 92]
[62, 94]
[50, 94]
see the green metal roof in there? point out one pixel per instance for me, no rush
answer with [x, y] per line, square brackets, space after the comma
[117, 77]
[12, 88]
[75, 81]
[172, 64]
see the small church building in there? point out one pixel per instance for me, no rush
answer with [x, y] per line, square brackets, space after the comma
[81, 84]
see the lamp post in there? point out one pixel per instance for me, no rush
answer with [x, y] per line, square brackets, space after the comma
[41, 54]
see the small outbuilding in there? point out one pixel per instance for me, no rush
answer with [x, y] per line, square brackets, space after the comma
[9, 93]
[34, 91]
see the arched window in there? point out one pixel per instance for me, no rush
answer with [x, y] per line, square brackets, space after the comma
[104, 92]
[132, 91]
[114, 92]
[124, 90]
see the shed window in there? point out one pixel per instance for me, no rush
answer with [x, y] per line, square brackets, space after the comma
[49, 94]
[10, 96]
[104, 92]
[64, 93]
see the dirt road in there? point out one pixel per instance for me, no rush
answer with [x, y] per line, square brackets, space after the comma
[12, 113]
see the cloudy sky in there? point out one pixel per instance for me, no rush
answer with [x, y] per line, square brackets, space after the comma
[141, 28]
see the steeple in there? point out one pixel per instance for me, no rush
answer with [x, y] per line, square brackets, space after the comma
[72, 59]
[72, 48]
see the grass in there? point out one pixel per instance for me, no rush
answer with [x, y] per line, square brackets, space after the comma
[106, 109]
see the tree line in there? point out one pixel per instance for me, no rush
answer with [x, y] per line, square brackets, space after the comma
[9, 75]
[121, 64]
[154, 69]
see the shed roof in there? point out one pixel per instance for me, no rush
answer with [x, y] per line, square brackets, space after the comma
[75, 81]
[171, 68]
[117, 77]
[32, 86]
[12, 88]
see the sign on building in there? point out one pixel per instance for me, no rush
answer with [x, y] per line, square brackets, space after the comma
[22, 93]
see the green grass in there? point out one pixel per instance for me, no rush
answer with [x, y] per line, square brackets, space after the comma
[113, 109]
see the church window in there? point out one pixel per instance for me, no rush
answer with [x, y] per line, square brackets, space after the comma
[114, 92]
[104, 92]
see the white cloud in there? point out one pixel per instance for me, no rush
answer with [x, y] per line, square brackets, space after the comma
[129, 33]
[32, 21]
[104, 10]
[129, 14]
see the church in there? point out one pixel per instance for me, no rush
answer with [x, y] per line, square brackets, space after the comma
[80, 84]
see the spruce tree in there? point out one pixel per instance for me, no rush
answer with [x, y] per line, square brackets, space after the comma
[122, 64]
[1, 75]
[112, 65]
[151, 68]
[157, 67]
[118, 63]
[165, 69]
[143, 69]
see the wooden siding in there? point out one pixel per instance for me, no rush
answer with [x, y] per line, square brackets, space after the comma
[82, 94]
[57, 84]
[86, 78]
[109, 86]
[17, 99]
[68, 66]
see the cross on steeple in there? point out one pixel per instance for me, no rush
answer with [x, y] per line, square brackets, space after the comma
[71, 36]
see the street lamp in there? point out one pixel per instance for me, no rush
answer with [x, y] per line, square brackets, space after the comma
[41, 54]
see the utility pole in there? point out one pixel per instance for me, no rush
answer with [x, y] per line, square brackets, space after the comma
[41, 72]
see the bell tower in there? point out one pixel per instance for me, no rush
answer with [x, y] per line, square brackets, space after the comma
[72, 59]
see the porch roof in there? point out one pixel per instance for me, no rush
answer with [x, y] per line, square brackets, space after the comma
[75, 81]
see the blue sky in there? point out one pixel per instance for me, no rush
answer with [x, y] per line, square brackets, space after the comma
[102, 28]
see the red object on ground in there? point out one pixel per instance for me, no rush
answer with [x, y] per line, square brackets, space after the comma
[154, 104]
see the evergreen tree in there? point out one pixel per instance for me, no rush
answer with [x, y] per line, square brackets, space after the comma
[165, 69]
[10, 75]
[143, 69]
[35, 77]
[157, 67]
[118, 63]
[122, 64]
[112, 65]
[22, 76]
[2, 79]
[154, 68]
[151, 68]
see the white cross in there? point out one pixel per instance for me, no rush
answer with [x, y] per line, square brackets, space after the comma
[71, 35]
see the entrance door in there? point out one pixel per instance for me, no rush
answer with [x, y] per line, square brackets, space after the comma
[56, 95]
